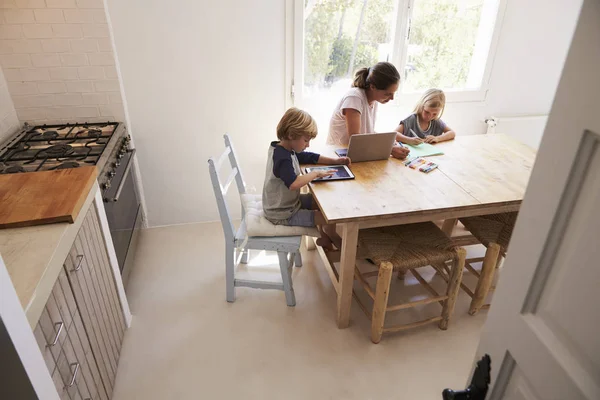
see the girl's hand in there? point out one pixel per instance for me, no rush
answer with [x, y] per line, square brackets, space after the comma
[344, 161]
[431, 139]
[415, 141]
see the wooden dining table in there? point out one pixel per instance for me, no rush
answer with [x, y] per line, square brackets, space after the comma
[477, 175]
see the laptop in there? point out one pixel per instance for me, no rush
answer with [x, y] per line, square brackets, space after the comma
[369, 147]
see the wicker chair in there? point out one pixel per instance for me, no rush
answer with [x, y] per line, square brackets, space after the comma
[406, 248]
[494, 232]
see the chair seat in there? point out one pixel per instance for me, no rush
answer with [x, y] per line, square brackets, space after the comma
[258, 225]
[493, 228]
[407, 246]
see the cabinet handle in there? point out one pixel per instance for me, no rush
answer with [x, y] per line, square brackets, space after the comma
[74, 374]
[79, 259]
[60, 327]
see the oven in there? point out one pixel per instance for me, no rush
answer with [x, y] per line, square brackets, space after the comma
[123, 209]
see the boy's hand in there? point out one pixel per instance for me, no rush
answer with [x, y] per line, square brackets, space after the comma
[415, 141]
[344, 161]
[431, 139]
[322, 173]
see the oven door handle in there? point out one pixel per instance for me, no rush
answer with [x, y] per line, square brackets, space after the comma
[120, 188]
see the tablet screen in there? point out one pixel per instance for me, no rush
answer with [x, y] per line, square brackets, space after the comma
[341, 172]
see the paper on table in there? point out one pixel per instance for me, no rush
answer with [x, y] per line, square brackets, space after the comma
[423, 150]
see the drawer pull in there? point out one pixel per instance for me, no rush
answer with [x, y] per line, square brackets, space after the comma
[74, 374]
[79, 258]
[58, 331]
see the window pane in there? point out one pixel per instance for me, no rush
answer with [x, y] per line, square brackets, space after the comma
[448, 44]
[341, 36]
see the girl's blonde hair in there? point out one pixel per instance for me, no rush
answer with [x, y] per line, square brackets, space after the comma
[296, 123]
[434, 98]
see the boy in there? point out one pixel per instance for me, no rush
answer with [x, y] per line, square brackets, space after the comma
[282, 202]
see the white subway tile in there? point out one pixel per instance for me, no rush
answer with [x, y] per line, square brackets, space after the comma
[114, 112]
[65, 73]
[108, 85]
[95, 30]
[100, 16]
[91, 72]
[67, 31]
[34, 74]
[104, 59]
[61, 4]
[110, 72]
[52, 87]
[15, 60]
[56, 45]
[79, 87]
[29, 114]
[49, 16]
[90, 4]
[18, 88]
[38, 100]
[38, 31]
[31, 3]
[12, 75]
[7, 4]
[77, 16]
[70, 99]
[11, 31]
[20, 46]
[18, 16]
[104, 44]
[72, 112]
[45, 60]
[115, 98]
[84, 45]
[95, 98]
[73, 60]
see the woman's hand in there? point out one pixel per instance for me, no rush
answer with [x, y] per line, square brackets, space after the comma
[343, 161]
[431, 139]
[414, 141]
[400, 152]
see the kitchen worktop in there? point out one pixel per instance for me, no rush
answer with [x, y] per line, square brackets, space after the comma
[34, 256]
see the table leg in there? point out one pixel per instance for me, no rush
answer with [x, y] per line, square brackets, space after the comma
[347, 264]
[448, 226]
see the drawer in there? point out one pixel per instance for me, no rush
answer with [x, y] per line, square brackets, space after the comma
[43, 343]
[53, 327]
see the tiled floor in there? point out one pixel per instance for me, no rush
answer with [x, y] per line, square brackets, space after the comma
[187, 342]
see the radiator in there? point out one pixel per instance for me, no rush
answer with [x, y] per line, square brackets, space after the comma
[527, 129]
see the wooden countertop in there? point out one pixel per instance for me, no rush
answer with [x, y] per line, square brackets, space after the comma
[34, 256]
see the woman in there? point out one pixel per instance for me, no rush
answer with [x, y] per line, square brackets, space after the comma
[357, 110]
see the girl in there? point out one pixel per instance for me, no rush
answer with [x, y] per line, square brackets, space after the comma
[425, 125]
[357, 109]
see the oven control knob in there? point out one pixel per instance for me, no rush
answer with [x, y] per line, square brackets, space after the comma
[111, 174]
[106, 186]
[120, 155]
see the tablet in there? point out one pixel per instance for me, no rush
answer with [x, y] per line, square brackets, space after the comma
[342, 172]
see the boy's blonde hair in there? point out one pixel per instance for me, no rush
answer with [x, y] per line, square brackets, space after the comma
[434, 98]
[296, 123]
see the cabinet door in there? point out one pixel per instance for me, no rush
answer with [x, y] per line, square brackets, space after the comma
[95, 292]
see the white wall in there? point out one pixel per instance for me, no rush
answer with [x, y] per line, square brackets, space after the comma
[9, 123]
[193, 71]
[58, 61]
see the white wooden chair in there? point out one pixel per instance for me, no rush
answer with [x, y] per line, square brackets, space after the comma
[238, 244]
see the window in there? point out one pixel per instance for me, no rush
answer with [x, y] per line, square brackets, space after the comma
[434, 43]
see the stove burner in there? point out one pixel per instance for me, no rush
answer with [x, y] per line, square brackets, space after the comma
[49, 135]
[58, 150]
[95, 133]
[13, 169]
[68, 164]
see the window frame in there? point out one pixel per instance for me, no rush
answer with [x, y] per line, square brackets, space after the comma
[294, 66]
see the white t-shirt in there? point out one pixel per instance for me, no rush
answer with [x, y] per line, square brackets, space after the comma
[356, 99]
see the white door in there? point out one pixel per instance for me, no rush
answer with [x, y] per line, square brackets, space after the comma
[543, 329]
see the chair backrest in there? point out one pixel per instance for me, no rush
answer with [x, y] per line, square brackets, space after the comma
[221, 189]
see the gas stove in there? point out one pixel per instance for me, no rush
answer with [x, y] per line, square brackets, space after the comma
[51, 147]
